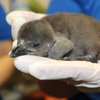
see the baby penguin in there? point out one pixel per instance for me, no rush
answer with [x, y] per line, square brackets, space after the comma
[60, 36]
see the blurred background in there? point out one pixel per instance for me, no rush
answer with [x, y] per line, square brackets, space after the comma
[34, 5]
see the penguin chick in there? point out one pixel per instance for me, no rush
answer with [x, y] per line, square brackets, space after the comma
[74, 36]
[38, 38]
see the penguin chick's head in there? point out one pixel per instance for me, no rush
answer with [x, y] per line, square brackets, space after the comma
[34, 38]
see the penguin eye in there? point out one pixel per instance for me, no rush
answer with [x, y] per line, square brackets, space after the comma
[35, 44]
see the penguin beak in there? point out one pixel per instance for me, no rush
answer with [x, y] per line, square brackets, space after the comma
[17, 51]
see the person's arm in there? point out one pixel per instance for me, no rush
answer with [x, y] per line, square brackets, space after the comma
[6, 63]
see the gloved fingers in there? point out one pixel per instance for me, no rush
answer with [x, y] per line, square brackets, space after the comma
[77, 70]
[18, 14]
[27, 15]
[94, 84]
[22, 63]
[89, 87]
[48, 69]
[85, 86]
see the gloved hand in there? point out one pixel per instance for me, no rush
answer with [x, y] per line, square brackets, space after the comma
[84, 75]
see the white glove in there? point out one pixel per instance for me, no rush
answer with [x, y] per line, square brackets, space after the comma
[17, 18]
[84, 74]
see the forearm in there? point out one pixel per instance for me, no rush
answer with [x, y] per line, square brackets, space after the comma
[5, 47]
[6, 68]
[6, 63]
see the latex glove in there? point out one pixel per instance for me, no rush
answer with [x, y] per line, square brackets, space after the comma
[82, 73]
[17, 18]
